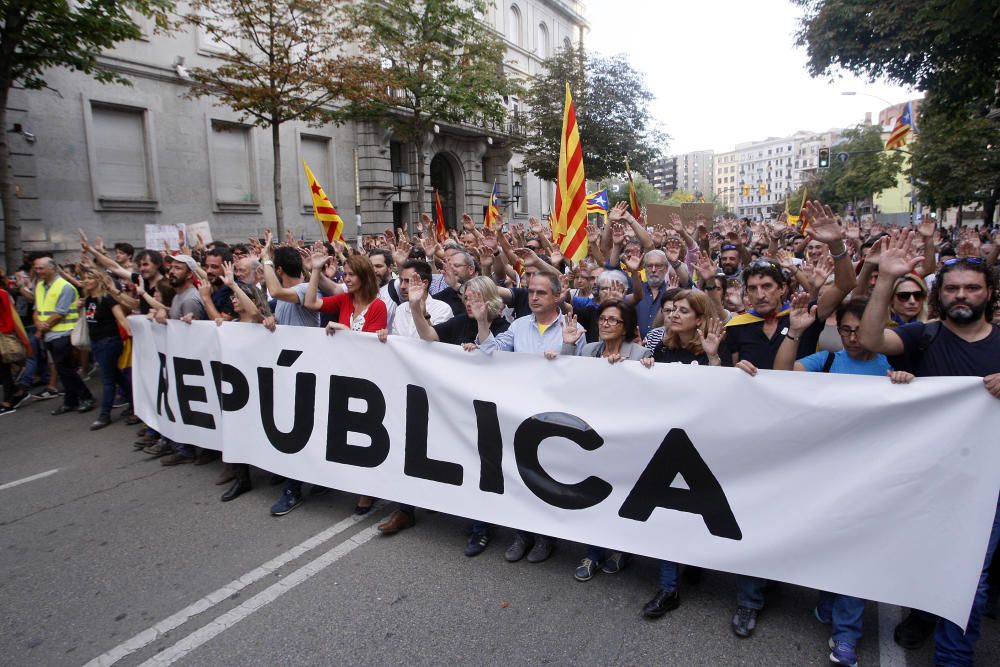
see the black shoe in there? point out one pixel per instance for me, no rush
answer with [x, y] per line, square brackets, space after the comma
[914, 631]
[477, 543]
[100, 423]
[18, 399]
[542, 549]
[86, 405]
[361, 511]
[63, 409]
[663, 602]
[206, 456]
[238, 488]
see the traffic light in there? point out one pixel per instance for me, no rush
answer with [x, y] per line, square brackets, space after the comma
[762, 189]
[824, 158]
[746, 190]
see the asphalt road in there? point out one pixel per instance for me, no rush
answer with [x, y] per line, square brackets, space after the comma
[115, 559]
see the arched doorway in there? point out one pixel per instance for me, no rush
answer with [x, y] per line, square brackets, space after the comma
[443, 180]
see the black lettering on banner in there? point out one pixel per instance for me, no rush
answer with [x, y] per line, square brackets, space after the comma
[530, 435]
[704, 495]
[490, 447]
[304, 411]
[240, 395]
[162, 389]
[416, 463]
[188, 394]
[341, 421]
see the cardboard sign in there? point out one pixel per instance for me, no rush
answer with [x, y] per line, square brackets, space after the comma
[196, 228]
[157, 234]
[691, 212]
[658, 216]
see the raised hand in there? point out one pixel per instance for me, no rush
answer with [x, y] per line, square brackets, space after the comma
[706, 267]
[430, 245]
[535, 225]
[415, 295]
[617, 233]
[480, 313]
[617, 212]
[571, 332]
[894, 260]
[490, 239]
[801, 316]
[317, 262]
[711, 340]
[633, 263]
[468, 223]
[425, 222]
[824, 226]
[265, 251]
[227, 274]
[927, 228]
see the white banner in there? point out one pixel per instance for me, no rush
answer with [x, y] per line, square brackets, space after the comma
[841, 483]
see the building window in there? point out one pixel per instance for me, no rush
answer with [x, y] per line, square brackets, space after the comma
[567, 43]
[233, 174]
[514, 25]
[543, 41]
[121, 167]
[315, 151]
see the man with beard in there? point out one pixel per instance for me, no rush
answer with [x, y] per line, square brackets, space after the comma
[653, 289]
[964, 342]
[221, 303]
[729, 260]
[388, 286]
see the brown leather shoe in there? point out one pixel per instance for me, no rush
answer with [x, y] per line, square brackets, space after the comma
[396, 522]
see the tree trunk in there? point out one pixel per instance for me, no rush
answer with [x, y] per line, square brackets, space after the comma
[279, 211]
[958, 214]
[990, 206]
[11, 216]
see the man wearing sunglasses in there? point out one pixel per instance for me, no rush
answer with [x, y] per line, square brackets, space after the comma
[965, 342]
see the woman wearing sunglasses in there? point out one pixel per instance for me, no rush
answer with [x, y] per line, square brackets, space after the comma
[909, 300]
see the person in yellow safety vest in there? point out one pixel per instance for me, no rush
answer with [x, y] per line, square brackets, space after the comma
[55, 316]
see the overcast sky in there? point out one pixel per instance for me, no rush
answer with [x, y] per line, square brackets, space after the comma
[716, 67]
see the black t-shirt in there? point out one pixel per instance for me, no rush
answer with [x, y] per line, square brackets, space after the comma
[519, 302]
[451, 297]
[587, 317]
[222, 299]
[100, 318]
[463, 329]
[947, 354]
[749, 341]
[663, 355]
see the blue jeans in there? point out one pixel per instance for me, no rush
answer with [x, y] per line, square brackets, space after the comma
[106, 353]
[846, 612]
[952, 645]
[750, 592]
[36, 361]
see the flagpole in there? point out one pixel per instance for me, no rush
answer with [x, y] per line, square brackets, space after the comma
[357, 202]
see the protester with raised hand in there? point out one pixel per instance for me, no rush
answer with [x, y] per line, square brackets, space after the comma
[963, 343]
[104, 317]
[250, 307]
[693, 334]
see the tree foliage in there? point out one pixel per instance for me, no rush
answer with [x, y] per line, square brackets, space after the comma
[425, 62]
[945, 47]
[280, 62]
[644, 190]
[37, 35]
[612, 112]
[956, 158]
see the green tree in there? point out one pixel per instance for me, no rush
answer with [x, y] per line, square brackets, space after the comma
[956, 159]
[37, 35]
[427, 62]
[612, 112]
[279, 64]
[944, 47]
[679, 197]
[644, 190]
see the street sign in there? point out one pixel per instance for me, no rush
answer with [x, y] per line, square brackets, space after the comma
[842, 156]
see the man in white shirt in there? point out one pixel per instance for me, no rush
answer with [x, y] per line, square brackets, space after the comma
[416, 270]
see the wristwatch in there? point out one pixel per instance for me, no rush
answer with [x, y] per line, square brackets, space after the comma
[268, 262]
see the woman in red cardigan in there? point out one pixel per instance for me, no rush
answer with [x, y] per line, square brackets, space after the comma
[11, 327]
[358, 309]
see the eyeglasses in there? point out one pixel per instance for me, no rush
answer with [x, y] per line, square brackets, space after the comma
[610, 321]
[906, 296]
[847, 332]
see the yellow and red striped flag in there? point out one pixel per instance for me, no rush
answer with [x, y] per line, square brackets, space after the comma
[323, 209]
[493, 210]
[633, 196]
[571, 188]
[440, 229]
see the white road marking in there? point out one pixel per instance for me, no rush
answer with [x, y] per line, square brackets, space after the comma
[268, 595]
[890, 654]
[25, 480]
[150, 635]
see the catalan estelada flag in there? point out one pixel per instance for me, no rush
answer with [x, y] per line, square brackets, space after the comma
[633, 196]
[597, 202]
[493, 210]
[324, 210]
[571, 187]
[904, 124]
[440, 229]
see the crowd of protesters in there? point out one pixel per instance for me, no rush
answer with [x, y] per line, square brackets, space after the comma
[835, 296]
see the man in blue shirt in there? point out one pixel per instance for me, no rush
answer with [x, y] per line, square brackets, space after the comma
[536, 333]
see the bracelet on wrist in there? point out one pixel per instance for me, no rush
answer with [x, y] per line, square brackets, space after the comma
[789, 336]
[841, 254]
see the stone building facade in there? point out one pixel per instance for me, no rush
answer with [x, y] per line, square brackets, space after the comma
[111, 159]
